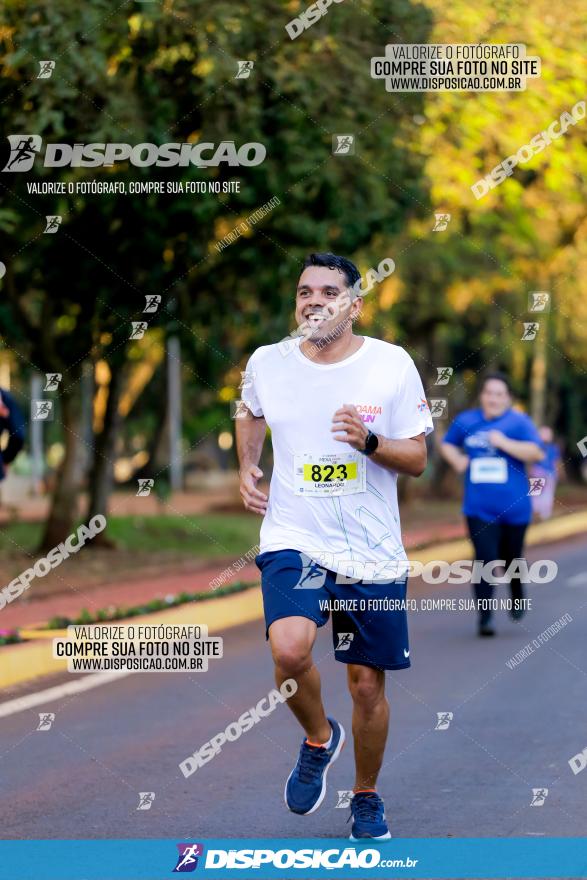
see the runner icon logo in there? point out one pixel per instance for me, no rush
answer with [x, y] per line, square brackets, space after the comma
[539, 795]
[244, 69]
[530, 330]
[46, 719]
[343, 144]
[344, 800]
[444, 375]
[239, 409]
[312, 576]
[152, 302]
[146, 799]
[536, 485]
[23, 149]
[344, 641]
[441, 222]
[52, 381]
[46, 69]
[188, 857]
[438, 408]
[539, 301]
[53, 223]
[444, 719]
[42, 410]
[138, 329]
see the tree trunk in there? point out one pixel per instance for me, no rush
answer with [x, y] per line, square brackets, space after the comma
[157, 446]
[102, 473]
[64, 504]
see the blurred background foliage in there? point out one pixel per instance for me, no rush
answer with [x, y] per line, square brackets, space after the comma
[165, 71]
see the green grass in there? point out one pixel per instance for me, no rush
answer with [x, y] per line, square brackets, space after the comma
[194, 536]
[17, 538]
[210, 535]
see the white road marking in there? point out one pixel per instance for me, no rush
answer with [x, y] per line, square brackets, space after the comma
[11, 707]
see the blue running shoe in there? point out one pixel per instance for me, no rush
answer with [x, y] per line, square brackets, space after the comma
[306, 784]
[368, 814]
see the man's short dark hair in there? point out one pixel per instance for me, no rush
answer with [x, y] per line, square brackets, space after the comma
[332, 261]
[501, 377]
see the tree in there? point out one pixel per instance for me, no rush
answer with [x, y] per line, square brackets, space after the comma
[167, 73]
[460, 297]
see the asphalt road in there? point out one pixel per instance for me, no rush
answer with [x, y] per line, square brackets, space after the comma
[512, 730]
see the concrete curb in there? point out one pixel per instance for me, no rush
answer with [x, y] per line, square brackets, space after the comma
[540, 533]
[24, 662]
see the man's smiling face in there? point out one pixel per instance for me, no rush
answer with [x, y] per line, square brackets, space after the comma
[323, 301]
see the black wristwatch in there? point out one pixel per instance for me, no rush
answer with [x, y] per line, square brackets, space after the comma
[371, 444]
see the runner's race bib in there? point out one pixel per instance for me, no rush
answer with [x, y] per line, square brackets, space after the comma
[489, 469]
[325, 475]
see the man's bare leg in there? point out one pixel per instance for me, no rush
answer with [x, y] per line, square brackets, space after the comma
[292, 640]
[370, 722]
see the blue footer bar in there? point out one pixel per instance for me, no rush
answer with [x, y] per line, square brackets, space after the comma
[304, 858]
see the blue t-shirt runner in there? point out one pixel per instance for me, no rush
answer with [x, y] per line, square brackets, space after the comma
[491, 446]
[496, 483]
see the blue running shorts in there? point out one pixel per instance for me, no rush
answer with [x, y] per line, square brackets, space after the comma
[369, 620]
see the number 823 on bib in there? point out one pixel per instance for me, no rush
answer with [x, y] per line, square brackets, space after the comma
[326, 475]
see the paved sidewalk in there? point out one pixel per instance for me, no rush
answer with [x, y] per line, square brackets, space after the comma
[33, 611]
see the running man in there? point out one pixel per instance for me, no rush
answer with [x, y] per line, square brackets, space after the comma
[491, 446]
[347, 413]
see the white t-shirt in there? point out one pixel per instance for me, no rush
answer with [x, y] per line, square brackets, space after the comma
[309, 510]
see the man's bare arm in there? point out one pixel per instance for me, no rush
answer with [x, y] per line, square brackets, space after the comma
[407, 456]
[250, 436]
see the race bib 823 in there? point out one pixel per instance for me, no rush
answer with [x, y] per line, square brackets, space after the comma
[332, 474]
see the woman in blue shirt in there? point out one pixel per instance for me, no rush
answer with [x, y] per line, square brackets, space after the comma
[491, 446]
